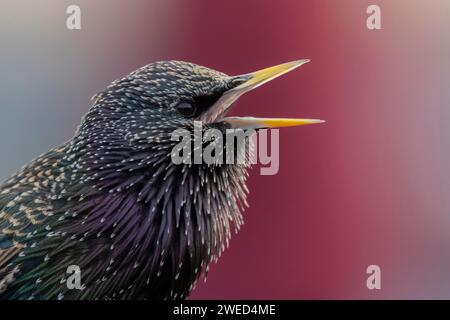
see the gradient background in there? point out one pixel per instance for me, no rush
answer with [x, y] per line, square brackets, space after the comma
[371, 186]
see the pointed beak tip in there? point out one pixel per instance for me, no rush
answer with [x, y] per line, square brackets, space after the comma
[297, 63]
[302, 61]
[309, 121]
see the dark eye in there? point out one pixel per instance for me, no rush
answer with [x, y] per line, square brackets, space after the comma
[187, 109]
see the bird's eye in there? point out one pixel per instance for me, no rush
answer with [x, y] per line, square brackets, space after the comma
[187, 109]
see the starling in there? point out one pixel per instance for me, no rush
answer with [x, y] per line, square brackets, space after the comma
[112, 203]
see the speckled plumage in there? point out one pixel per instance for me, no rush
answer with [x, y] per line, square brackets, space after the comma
[111, 201]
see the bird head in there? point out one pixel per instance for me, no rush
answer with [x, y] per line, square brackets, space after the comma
[176, 93]
[128, 130]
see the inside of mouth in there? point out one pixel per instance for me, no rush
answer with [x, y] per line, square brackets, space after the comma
[217, 112]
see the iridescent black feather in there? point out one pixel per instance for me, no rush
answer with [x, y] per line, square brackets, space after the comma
[112, 202]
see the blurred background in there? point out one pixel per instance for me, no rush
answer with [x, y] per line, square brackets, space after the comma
[371, 186]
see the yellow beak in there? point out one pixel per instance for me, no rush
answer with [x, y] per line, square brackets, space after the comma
[248, 82]
[261, 123]
[258, 78]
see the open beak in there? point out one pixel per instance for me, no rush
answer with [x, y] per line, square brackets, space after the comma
[246, 83]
